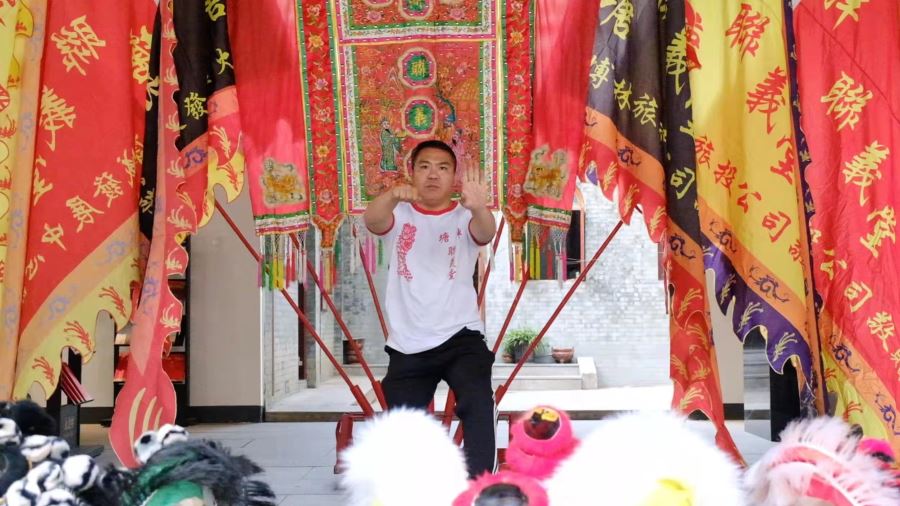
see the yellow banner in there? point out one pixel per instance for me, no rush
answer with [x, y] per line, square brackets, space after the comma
[748, 177]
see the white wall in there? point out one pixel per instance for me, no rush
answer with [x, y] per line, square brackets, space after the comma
[96, 375]
[226, 344]
[225, 321]
[729, 352]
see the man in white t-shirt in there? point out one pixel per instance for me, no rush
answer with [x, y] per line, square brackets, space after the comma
[436, 332]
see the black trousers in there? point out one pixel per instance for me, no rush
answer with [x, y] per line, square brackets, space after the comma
[464, 362]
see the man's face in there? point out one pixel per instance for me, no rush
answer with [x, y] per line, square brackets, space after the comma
[434, 173]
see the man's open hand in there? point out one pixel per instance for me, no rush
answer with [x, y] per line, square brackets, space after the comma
[474, 194]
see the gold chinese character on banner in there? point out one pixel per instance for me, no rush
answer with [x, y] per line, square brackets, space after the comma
[140, 55]
[55, 114]
[152, 92]
[82, 212]
[857, 294]
[896, 358]
[847, 8]
[195, 105]
[882, 326]
[682, 180]
[645, 109]
[864, 168]
[39, 185]
[622, 12]
[214, 8]
[128, 163]
[53, 235]
[146, 203]
[34, 264]
[676, 58]
[885, 223]
[223, 57]
[418, 70]
[828, 266]
[108, 186]
[846, 100]
[599, 71]
[77, 43]
[622, 92]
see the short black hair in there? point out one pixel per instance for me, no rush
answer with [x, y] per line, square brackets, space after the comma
[434, 144]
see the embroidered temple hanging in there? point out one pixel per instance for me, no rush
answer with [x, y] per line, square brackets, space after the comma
[380, 76]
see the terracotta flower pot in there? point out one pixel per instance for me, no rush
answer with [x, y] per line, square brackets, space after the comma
[350, 355]
[563, 355]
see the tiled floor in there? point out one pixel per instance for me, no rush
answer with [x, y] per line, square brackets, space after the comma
[299, 457]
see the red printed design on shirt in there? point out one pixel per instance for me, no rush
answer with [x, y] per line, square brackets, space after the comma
[404, 244]
[452, 252]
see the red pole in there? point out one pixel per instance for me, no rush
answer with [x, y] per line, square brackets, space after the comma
[362, 256]
[487, 270]
[501, 390]
[448, 409]
[354, 389]
[376, 385]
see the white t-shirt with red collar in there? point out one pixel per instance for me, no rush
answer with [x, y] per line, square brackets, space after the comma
[430, 295]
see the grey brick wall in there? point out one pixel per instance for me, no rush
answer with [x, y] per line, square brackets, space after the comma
[318, 367]
[617, 316]
[268, 320]
[353, 297]
[280, 346]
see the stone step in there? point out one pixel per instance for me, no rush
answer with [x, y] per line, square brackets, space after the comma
[501, 370]
[531, 377]
[531, 383]
[378, 370]
[537, 369]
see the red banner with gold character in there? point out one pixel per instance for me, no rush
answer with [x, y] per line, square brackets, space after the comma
[849, 69]
[560, 91]
[266, 56]
[82, 229]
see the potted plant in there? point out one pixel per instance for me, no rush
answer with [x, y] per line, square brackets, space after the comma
[517, 341]
[349, 354]
[563, 355]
